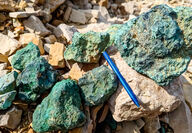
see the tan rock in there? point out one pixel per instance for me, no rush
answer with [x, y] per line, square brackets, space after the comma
[24, 14]
[153, 99]
[3, 66]
[152, 125]
[103, 3]
[31, 37]
[53, 4]
[56, 55]
[3, 58]
[50, 39]
[77, 17]
[67, 13]
[94, 112]
[7, 5]
[104, 113]
[8, 45]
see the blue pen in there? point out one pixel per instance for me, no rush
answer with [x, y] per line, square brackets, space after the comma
[122, 80]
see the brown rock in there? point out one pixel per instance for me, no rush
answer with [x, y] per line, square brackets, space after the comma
[50, 39]
[25, 14]
[103, 3]
[56, 55]
[52, 5]
[152, 125]
[67, 13]
[3, 58]
[7, 5]
[104, 113]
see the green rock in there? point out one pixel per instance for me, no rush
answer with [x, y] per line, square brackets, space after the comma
[153, 43]
[36, 78]
[87, 48]
[98, 85]
[184, 20]
[25, 56]
[7, 89]
[60, 110]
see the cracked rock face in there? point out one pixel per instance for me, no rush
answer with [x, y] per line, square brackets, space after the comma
[60, 110]
[152, 44]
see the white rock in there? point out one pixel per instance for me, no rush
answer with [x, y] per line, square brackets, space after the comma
[8, 45]
[77, 17]
[11, 118]
[3, 66]
[153, 99]
[3, 72]
[34, 24]
[25, 14]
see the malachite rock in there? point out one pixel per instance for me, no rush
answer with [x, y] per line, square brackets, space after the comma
[60, 110]
[184, 20]
[153, 43]
[98, 85]
[7, 89]
[36, 78]
[87, 48]
[25, 56]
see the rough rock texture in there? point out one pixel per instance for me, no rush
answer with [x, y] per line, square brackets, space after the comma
[153, 99]
[7, 89]
[87, 48]
[3, 58]
[11, 118]
[98, 85]
[77, 17]
[152, 44]
[25, 56]
[7, 5]
[53, 4]
[8, 45]
[25, 14]
[184, 19]
[152, 125]
[60, 110]
[36, 78]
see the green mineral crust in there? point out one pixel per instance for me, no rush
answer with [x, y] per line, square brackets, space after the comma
[25, 56]
[36, 78]
[7, 89]
[87, 48]
[60, 110]
[98, 85]
[153, 45]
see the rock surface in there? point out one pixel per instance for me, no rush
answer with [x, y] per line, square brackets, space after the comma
[87, 48]
[152, 45]
[25, 56]
[11, 118]
[152, 125]
[98, 85]
[36, 78]
[25, 14]
[53, 4]
[60, 110]
[153, 99]
[77, 17]
[7, 89]
[7, 5]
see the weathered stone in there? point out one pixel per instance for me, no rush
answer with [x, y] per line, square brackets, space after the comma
[7, 89]
[3, 58]
[77, 17]
[87, 48]
[50, 39]
[103, 15]
[129, 127]
[53, 4]
[152, 44]
[7, 5]
[8, 45]
[11, 118]
[34, 24]
[152, 125]
[25, 56]
[3, 72]
[153, 99]
[67, 13]
[64, 31]
[25, 14]
[103, 3]
[36, 78]
[31, 37]
[60, 110]
[56, 55]
[98, 85]
[47, 47]
[91, 13]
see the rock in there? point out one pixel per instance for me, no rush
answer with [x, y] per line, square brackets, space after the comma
[52, 5]
[98, 85]
[67, 14]
[3, 72]
[60, 110]
[11, 118]
[3, 66]
[87, 48]
[25, 14]
[153, 99]
[36, 78]
[31, 37]
[50, 39]
[152, 125]
[56, 55]
[34, 24]
[47, 47]
[64, 31]
[3, 58]
[130, 7]
[80, 3]
[129, 127]
[104, 113]
[104, 14]
[91, 13]
[179, 120]
[103, 3]
[25, 56]
[77, 17]
[7, 5]
[8, 45]
[7, 89]
[94, 113]
[156, 45]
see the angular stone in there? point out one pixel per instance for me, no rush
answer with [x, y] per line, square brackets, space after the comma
[25, 14]
[87, 48]
[31, 37]
[50, 39]
[98, 85]
[7, 89]
[152, 125]
[36, 78]
[103, 15]
[3, 58]
[153, 99]
[47, 47]
[60, 110]
[64, 31]
[34, 24]
[77, 17]
[25, 56]
[8, 45]
[56, 55]
[52, 5]
[152, 44]
[11, 118]
[67, 13]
